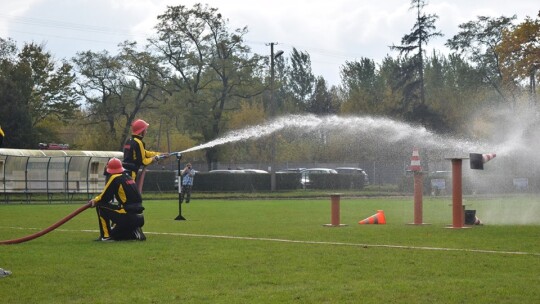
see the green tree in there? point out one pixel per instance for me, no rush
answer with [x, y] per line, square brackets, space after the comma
[118, 88]
[15, 91]
[390, 73]
[300, 80]
[211, 67]
[99, 84]
[362, 86]
[323, 101]
[467, 90]
[477, 41]
[415, 42]
[53, 92]
[8, 49]
[143, 85]
[520, 54]
[33, 88]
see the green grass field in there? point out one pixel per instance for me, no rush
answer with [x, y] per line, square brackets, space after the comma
[278, 251]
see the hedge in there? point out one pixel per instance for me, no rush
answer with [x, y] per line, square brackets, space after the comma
[163, 181]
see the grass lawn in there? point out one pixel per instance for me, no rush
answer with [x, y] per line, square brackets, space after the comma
[278, 251]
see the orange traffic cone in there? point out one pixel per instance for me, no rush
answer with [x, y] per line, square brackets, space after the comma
[375, 219]
[415, 161]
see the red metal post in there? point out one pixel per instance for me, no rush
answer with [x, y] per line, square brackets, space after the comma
[418, 192]
[335, 199]
[457, 194]
[335, 209]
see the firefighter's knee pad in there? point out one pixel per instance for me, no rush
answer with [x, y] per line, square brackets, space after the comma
[139, 219]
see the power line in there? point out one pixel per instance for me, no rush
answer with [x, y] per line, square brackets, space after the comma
[66, 37]
[314, 50]
[335, 57]
[41, 22]
[67, 25]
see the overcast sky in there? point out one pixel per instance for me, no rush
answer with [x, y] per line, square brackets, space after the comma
[333, 32]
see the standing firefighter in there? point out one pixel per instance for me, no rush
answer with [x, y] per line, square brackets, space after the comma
[187, 183]
[125, 212]
[135, 153]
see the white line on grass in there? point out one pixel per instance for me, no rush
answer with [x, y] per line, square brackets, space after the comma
[342, 244]
[310, 242]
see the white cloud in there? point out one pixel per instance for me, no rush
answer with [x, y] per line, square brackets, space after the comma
[12, 9]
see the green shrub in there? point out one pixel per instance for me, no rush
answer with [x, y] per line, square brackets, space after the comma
[159, 181]
[288, 181]
[231, 182]
[336, 181]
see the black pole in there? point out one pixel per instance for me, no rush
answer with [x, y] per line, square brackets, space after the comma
[179, 217]
[272, 115]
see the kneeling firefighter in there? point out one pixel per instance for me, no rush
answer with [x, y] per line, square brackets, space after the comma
[125, 212]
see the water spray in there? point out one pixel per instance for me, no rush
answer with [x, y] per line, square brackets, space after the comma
[393, 131]
[49, 229]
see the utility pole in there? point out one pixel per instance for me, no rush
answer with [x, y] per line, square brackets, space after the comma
[272, 109]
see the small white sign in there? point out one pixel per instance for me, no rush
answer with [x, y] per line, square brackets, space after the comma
[521, 183]
[438, 183]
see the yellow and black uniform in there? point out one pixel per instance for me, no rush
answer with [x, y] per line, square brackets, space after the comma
[125, 211]
[136, 155]
[1, 137]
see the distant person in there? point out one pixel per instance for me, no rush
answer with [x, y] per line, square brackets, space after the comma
[4, 273]
[187, 183]
[2, 134]
[135, 153]
[119, 205]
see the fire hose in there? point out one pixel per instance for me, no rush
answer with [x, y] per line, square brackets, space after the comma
[49, 229]
[140, 178]
[73, 214]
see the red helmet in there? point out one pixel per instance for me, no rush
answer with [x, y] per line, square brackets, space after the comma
[114, 166]
[138, 126]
